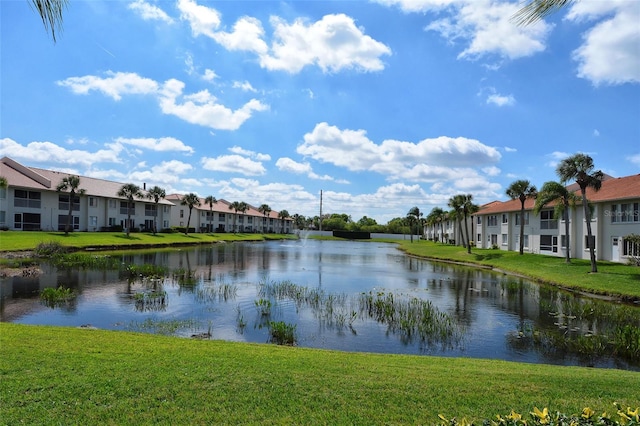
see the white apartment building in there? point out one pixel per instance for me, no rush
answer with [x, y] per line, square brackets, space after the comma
[615, 214]
[31, 202]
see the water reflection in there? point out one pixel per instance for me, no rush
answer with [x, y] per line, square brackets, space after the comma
[213, 290]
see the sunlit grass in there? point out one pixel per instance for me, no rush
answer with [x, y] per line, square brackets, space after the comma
[54, 375]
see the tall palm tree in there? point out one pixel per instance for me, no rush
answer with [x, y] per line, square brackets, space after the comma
[50, 12]
[210, 201]
[468, 208]
[456, 202]
[536, 10]
[521, 190]
[283, 214]
[242, 209]
[237, 206]
[579, 167]
[156, 194]
[190, 200]
[556, 192]
[413, 216]
[130, 191]
[265, 210]
[70, 183]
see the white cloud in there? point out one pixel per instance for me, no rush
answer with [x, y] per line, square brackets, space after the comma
[635, 159]
[209, 75]
[609, 53]
[491, 170]
[555, 157]
[149, 12]
[510, 149]
[233, 164]
[245, 86]
[203, 20]
[487, 28]
[41, 152]
[333, 43]
[167, 172]
[596, 133]
[288, 165]
[203, 109]
[157, 144]
[114, 86]
[501, 100]
[421, 161]
[248, 153]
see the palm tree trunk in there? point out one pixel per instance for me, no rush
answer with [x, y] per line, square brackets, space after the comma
[466, 230]
[155, 221]
[522, 229]
[186, 230]
[566, 233]
[587, 216]
[66, 229]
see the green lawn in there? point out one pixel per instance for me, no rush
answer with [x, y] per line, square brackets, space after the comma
[20, 240]
[53, 375]
[614, 279]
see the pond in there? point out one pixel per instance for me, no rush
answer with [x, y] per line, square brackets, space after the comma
[349, 296]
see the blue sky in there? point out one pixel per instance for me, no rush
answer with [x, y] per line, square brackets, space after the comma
[382, 105]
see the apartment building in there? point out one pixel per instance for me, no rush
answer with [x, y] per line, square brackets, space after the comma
[31, 202]
[615, 214]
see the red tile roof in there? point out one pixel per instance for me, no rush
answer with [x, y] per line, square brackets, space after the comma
[612, 189]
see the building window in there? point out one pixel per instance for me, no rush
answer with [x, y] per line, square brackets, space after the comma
[27, 221]
[547, 221]
[112, 204]
[181, 213]
[492, 220]
[504, 218]
[479, 239]
[589, 242]
[221, 217]
[165, 224]
[549, 243]
[3, 193]
[149, 209]
[125, 210]
[3, 217]
[479, 220]
[630, 249]
[62, 222]
[165, 209]
[526, 218]
[112, 221]
[505, 239]
[63, 203]
[93, 202]
[563, 241]
[250, 219]
[494, 239]
[625, 212]
[22, 198]
[93, 221]
[525, 239]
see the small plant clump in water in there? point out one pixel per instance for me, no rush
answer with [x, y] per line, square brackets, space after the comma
[147, 270]
[53, 297]
[282, 333]
[151, 301]
[263, 306]
[49, 250]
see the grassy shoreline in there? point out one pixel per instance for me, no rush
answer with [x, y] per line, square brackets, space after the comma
[75, 376]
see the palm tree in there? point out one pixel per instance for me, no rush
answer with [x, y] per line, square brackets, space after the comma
[4, 183]
[553, 191]
[521, 190]
[50, 12]
[130, 191]
[210, 200]
[190, 200]
[536, 10]
[456, 202]
[265, 210]
[70, 183]
[579, 167]
[468, 208]
[237, 206]
[242, 209]
[283, 215]
[156, 194]
[413, 217]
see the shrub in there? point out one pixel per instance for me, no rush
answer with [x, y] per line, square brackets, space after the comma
[50, 249]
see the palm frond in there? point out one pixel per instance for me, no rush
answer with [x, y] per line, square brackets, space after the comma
[51, 12]
[536, 10]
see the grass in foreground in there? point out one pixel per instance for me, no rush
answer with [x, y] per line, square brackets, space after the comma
[73, 376]
[21, 240]
[612, 278]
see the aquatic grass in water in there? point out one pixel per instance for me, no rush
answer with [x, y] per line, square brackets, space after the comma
[53, 297]
[144, 271]
[217, 292]
[165, 327]
[151, 301]
[282, 333]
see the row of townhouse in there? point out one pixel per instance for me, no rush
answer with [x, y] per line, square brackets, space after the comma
[615, 214]
[31, 202]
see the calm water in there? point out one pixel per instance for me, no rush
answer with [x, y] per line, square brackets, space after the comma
[490, 315]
